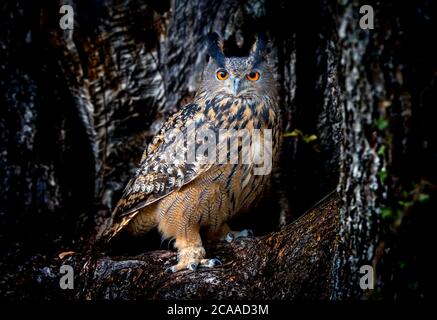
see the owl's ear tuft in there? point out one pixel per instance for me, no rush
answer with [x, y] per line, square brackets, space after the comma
[215, 48]
[258, 50]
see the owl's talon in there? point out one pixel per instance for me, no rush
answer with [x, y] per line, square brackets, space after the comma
[213, 262]
[193, 266]
[229, 237]
[171, 269]
[233, 235]
[248, 233]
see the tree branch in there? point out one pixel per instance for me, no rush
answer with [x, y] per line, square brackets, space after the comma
[294, 262]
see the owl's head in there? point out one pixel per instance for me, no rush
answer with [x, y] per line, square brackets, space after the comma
[240, 77]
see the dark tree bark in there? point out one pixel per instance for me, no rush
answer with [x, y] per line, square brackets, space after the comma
[77, 108]
[294, 263]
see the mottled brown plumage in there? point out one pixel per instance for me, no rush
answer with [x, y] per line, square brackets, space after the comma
[180, 196]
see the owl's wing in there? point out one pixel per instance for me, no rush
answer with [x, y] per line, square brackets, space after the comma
[163, 167]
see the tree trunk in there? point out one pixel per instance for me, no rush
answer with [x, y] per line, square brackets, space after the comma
[77, 108]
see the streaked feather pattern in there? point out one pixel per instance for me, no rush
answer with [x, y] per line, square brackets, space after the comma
[180, 196]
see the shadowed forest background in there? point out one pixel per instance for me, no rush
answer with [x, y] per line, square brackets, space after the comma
[357, 184]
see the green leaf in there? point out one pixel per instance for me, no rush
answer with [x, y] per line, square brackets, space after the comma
[405, 204]
[387, 213]
[381, 150]
[295, 133]
[381, 123]
[423, 197]
[309, 138]
[383, 175]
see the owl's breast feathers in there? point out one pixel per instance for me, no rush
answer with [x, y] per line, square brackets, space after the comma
[227, 112]
[160, 173]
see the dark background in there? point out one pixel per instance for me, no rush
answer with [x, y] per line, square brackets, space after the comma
[78, 108]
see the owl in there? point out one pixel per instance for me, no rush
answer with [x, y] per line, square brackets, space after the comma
[182, 192]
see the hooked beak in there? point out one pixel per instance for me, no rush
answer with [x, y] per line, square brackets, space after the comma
[236, 86]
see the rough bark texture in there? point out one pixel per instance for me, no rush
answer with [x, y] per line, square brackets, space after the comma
[77, 108]
[384, 162]
[294, 263]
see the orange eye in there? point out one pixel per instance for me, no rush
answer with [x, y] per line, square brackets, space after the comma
[253, 76]
[222, 74]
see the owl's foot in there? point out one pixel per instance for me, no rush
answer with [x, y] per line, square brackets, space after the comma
[224, 233]
[191, 259]
[233, 235]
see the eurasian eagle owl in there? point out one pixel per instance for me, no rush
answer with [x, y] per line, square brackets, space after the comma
[180, 194]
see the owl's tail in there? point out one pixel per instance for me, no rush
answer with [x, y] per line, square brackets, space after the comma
[108, 231]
